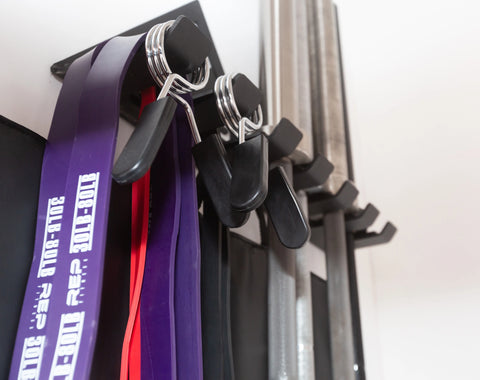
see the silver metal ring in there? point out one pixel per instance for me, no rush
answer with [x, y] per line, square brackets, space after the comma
[160, 70]
[238, 125]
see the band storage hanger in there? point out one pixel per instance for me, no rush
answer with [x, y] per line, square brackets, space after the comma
[187, 49]
[88, 167]
[250, 157]
[170, 214]
[249, 188]
[258, 178]
[145, 141]
[98, 74]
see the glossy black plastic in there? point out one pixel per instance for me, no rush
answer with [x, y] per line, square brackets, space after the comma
[312, 175]
[321, 203]
[283, 140]
[367, 239]
[142, 147]
[247, 98]
[249, 174]
[186, 47]
[215, 172]
[361, 219]
[285, 214]
[247, 95]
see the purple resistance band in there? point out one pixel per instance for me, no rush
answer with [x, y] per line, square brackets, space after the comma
[157, 303]
[71, 230]
[187, 265]
[31, 334]
[57, 340]
[171, 341]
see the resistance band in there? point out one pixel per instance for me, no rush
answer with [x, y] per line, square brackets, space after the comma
[131, 352]
[188, 323]
[74, 229]
[31, 334]
[170, 302]
[158, 351]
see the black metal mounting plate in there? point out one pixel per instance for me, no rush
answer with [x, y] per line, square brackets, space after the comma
[138, 77]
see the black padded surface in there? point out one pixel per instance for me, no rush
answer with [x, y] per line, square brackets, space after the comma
[249, 308]
[116, 287]
[21, 153]
[212, 341]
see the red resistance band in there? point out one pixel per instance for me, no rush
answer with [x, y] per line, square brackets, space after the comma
[131, 351]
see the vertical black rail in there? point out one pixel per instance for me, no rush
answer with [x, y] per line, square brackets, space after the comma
[352, 270]
[355, 306]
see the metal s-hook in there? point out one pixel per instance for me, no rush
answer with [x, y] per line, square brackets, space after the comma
[212, 164]
[209, 154]
[237, 124]
[142, 147]
[214, 170]
[250, 157]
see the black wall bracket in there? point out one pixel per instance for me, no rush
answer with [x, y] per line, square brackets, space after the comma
[138, 77]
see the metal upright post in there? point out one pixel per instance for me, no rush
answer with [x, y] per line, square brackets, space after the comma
[285, 70]
[282, 354]
[330, 140]
[287, 94]
[305, 355]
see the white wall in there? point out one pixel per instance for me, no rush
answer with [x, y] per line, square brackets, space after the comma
[413, 82]
[35, 34]
[412, 72]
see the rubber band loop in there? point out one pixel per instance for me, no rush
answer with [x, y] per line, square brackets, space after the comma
[131, 352]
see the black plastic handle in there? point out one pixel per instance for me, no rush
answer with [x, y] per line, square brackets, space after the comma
[249, 174]
[186, 47]
[282, 205]
[215, 172]
[142, 147]
[283, 140]
[313, 174]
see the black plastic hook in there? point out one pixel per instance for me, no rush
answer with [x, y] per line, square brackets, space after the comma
[321, 203]
[281, 203]
[358, 220]
[188, 48]
[141, 149]
[249, 174]
[247, 98]
[249, 159]
[367, 239]
[361, 219]
[284, 211]
[312, 175]
[216, 174]
[283, 140]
